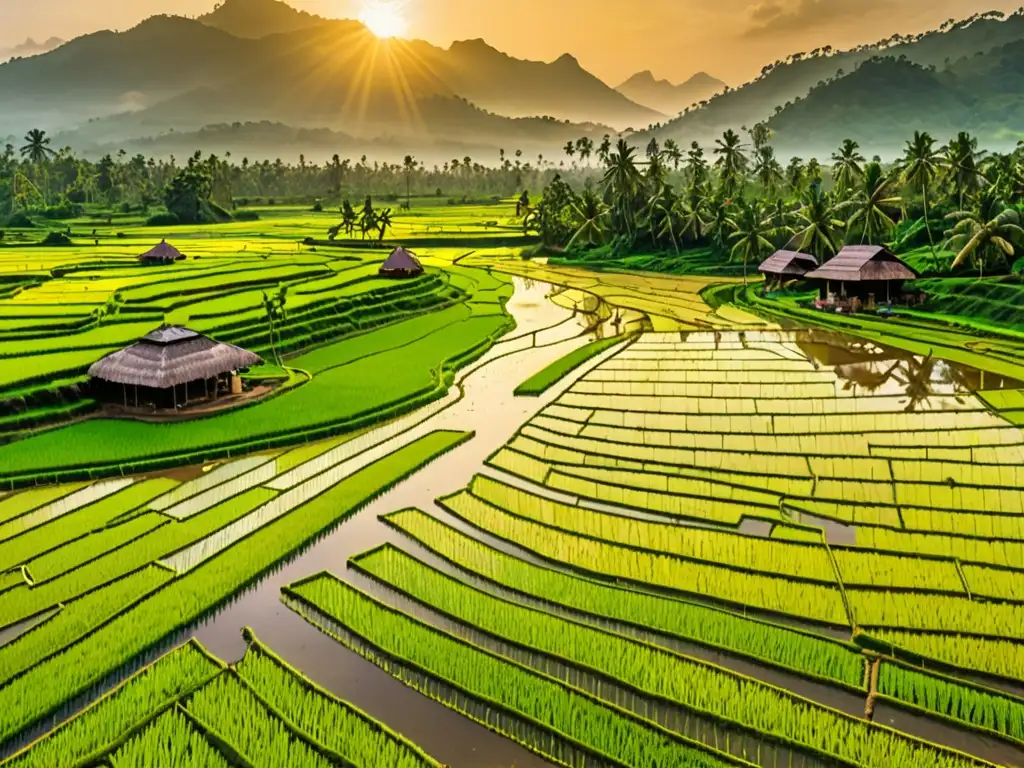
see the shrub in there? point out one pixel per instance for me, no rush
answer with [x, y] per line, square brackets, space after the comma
[318, 207]
[163, 220]
[247, 216]
[19, 220]
[57, 238]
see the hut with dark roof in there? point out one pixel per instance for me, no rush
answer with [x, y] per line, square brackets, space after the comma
[783, 265]
[168, 367]
[401, 263]
[162, 253]
[863, 271]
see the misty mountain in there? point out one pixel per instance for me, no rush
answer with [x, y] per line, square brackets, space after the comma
[258, 18]
[666, 97]
[781, 83]
[30, 48]
[516, 87]
[883, 102]
[172, 72]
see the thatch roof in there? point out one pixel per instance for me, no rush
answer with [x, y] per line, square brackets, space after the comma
[164, 251]
[169, 356]
[788, 263]
[860, 263]
[401, 261]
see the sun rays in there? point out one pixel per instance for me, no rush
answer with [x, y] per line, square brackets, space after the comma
[385, 18]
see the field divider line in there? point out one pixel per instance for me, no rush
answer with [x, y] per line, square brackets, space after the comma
[221, 474]
[97, 491]
[184, 560]
[963, 577]
[219, 493]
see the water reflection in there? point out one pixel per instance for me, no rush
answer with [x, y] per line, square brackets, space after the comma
[869, 369]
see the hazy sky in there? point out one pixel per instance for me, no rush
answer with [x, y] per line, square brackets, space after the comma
[731, 39]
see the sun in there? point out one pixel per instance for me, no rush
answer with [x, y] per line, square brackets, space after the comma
[384, 18]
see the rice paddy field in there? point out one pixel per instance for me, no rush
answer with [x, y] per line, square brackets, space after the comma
[503, 514]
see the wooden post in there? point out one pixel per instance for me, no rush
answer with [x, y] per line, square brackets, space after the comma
[136, 395]
[124, 388]
[174, 396]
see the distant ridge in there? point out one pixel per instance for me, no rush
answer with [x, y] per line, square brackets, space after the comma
[666, 97]
[258, 18]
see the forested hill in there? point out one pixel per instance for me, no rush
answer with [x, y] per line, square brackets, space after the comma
[782, 82]
[884, 101]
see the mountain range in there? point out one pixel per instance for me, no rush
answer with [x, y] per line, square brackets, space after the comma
[30, 48]
[666, 97]
[262, 63]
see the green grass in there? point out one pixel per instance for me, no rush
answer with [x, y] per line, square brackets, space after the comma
[543, 380]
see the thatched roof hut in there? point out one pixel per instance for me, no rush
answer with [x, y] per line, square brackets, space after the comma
[863, 263]
[171, 356]
[163, 253]
[864, 271]
[401, 263]
[788, 264]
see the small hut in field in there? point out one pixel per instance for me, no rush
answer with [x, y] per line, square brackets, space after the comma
[401, 263]
[866, 272]
[787, 265]
[163, 253]
[170, 367]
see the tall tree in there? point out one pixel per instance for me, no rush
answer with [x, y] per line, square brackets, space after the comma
[985, 233]
[847, 166]
[873, 206]
[731, 162]
[37, 151]
[753, 229]
[962, 159]
[622, 183]
[818, 224]
[591, 213]
[920, 167]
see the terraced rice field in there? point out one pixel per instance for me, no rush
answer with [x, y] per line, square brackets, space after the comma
[699, 540]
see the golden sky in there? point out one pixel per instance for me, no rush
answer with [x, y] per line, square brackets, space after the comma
[730, 39]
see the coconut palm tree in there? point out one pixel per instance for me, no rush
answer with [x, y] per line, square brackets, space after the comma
[753, 228]
[409, 164]
[846, 165]
[768, 171]
[962, 161]
[383, 224]
[920, 167]
[818, 224]
[671, 151]
[37, 151]
[696, 165]
[731, 162]
[693, 213]
[986, 233]
[873, 205]
[622, 183]
[591, 213]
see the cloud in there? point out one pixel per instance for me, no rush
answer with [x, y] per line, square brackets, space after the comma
[772, 16]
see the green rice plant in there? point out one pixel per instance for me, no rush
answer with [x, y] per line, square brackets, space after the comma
[170, 740]
[46, 686]
[542, 701]
[18, 504]
[56, 509]
[77, 552]
[698, 686]
[1003, 658]
[817, 602]
[206, 481]
[963, 523]
[336, 724]
[876, 569]
[239, 716]
[946, 613]
[966, 549]
[13, 578]
[128, 705]
[965, 703]
[790, 649]
[995, 583]
[219, 493]
[722, 547]
[543, 380]
[693, 684]
[78, 618]
[113, 564]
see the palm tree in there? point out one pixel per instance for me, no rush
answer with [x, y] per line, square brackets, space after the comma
[692, 210]
[696, 165]
[962, 159]
[986, 233]
[622, 182]
[274, 306]
[818, 224]
[672, 152]
[846, 165]
[873, 205]
[767, 170]
[920, 168]
[752, 230]
[590, 212]
[731, 161]
[37, 151]
[569, 149]
[409, 163]
[383, 224]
